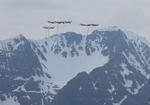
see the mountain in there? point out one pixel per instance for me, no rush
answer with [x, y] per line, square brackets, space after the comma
[123, 80]
[22, 79]
[110, 66]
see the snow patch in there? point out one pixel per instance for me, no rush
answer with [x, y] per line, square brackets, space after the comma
[109, 28]
[10, 101]
[122, 100]
[112, 89]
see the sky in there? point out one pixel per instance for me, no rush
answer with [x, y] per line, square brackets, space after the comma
[28, 17]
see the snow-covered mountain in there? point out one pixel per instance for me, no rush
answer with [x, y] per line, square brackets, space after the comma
[112, 67]
[123, 80]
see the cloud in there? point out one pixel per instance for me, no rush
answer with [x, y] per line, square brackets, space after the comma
[28, 16]
[32, 4]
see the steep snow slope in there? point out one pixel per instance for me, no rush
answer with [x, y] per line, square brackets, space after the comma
[66, 55]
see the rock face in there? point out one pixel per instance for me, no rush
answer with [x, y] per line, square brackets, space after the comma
[108, 67]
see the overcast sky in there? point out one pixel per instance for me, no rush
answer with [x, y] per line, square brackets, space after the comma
[29, 16]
